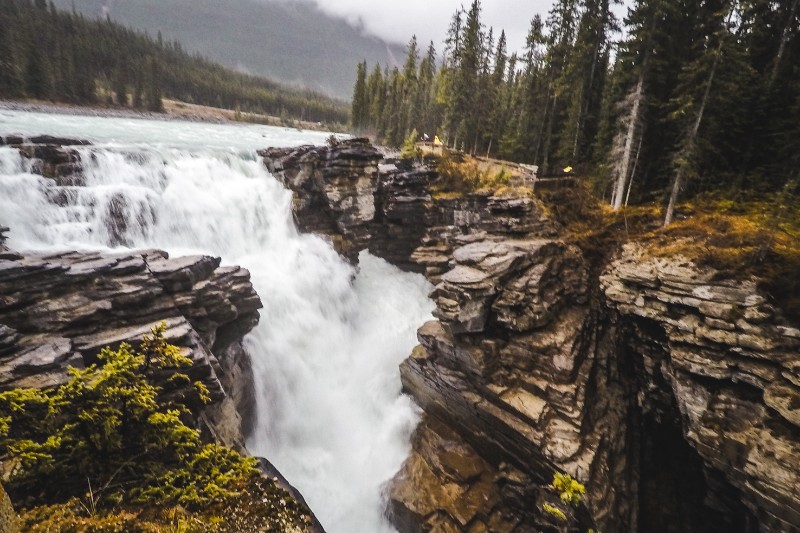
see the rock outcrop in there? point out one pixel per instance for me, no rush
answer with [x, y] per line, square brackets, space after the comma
[503, 382]
[3, 231]
[342, 192]
[417, 229]
[718, 358]
[60, 310]
[673, 395]
[56, 158]
[9, 522]
[333, 189]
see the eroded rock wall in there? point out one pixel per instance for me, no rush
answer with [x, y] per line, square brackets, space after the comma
[60, 310]
[333, 189]
[672, 394]
[349, 193]
[730, 365]
[519, 367]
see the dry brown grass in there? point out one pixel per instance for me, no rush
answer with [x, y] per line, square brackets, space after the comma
[742, 237]
[750, 237]
[262, 506]
[461, 174]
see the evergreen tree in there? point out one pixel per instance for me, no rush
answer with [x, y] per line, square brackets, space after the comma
[153, 88]
[11, 83]
[585, 73]
[359, 113]
[38, 82]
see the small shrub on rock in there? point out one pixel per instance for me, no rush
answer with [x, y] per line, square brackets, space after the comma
[108, 432]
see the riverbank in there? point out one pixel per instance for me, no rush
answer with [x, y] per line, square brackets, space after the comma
[173, 110]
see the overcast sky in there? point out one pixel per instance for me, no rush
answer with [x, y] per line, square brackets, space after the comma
[398, 20]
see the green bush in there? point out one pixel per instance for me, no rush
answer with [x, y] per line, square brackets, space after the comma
[108, 431]
[410, 150]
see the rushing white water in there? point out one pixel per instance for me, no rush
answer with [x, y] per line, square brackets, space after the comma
[331, 416]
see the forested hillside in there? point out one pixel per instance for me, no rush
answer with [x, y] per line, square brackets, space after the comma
[698, 95]
[55, 55]
[291, 42]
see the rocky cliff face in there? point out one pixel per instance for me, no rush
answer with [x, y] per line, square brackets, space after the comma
[60, 310]
[716, 360]
[674, 396]
[9, 523]
[332, 188]
[343, 193]
[56, 158]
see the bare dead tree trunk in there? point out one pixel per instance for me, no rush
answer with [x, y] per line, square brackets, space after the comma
[784, 38]
[633, 172]
[622, 173]
[691, 140]
[549, 135]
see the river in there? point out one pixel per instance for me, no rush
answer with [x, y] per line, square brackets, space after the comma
[331, 415]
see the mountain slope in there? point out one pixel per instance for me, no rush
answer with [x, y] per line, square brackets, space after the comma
[292, 42]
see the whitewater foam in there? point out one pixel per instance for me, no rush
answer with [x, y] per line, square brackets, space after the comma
[325, 354]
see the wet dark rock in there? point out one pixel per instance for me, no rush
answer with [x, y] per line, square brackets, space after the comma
[10, 140]
[58, 141]
[60, 310]
[3, 231]
[333, 188]
[671, 392]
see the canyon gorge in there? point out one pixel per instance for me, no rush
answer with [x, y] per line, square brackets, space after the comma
[671, 391]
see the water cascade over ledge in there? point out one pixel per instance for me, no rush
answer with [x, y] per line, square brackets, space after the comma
[325, 355]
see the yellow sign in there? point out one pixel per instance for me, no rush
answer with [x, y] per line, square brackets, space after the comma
[568, 170]
[436, 141]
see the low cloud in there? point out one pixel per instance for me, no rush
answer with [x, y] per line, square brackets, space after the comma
[397, 21]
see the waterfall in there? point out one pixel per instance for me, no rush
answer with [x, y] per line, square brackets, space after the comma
[325, 354]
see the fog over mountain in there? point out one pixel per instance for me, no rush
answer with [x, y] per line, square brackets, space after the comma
[397, 20]
[289, 41]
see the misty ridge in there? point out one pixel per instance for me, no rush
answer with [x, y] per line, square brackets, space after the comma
[294, 42]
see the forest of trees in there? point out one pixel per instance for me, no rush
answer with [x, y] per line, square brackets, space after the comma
[683, 95]
[54, 55]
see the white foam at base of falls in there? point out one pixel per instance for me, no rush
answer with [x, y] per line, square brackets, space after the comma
[326, 352]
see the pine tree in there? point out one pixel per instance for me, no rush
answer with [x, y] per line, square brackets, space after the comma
[153, 89]
[407, 112]
[585, 73]
[561, 23]
[38, 81]
[11, 84]
[359, 112]
[689, 104]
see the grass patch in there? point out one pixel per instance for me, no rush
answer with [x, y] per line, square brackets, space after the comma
[742, 236]
[461, 174]
[259, 505]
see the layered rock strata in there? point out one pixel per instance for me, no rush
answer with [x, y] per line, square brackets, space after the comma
[417, 228]
[60, 310]
[672, 394]
[342, 192]
[730, 365]
[333, 189]
[509, 372]
[56, 158]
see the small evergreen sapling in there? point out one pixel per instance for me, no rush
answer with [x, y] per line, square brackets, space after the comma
[108, 427]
